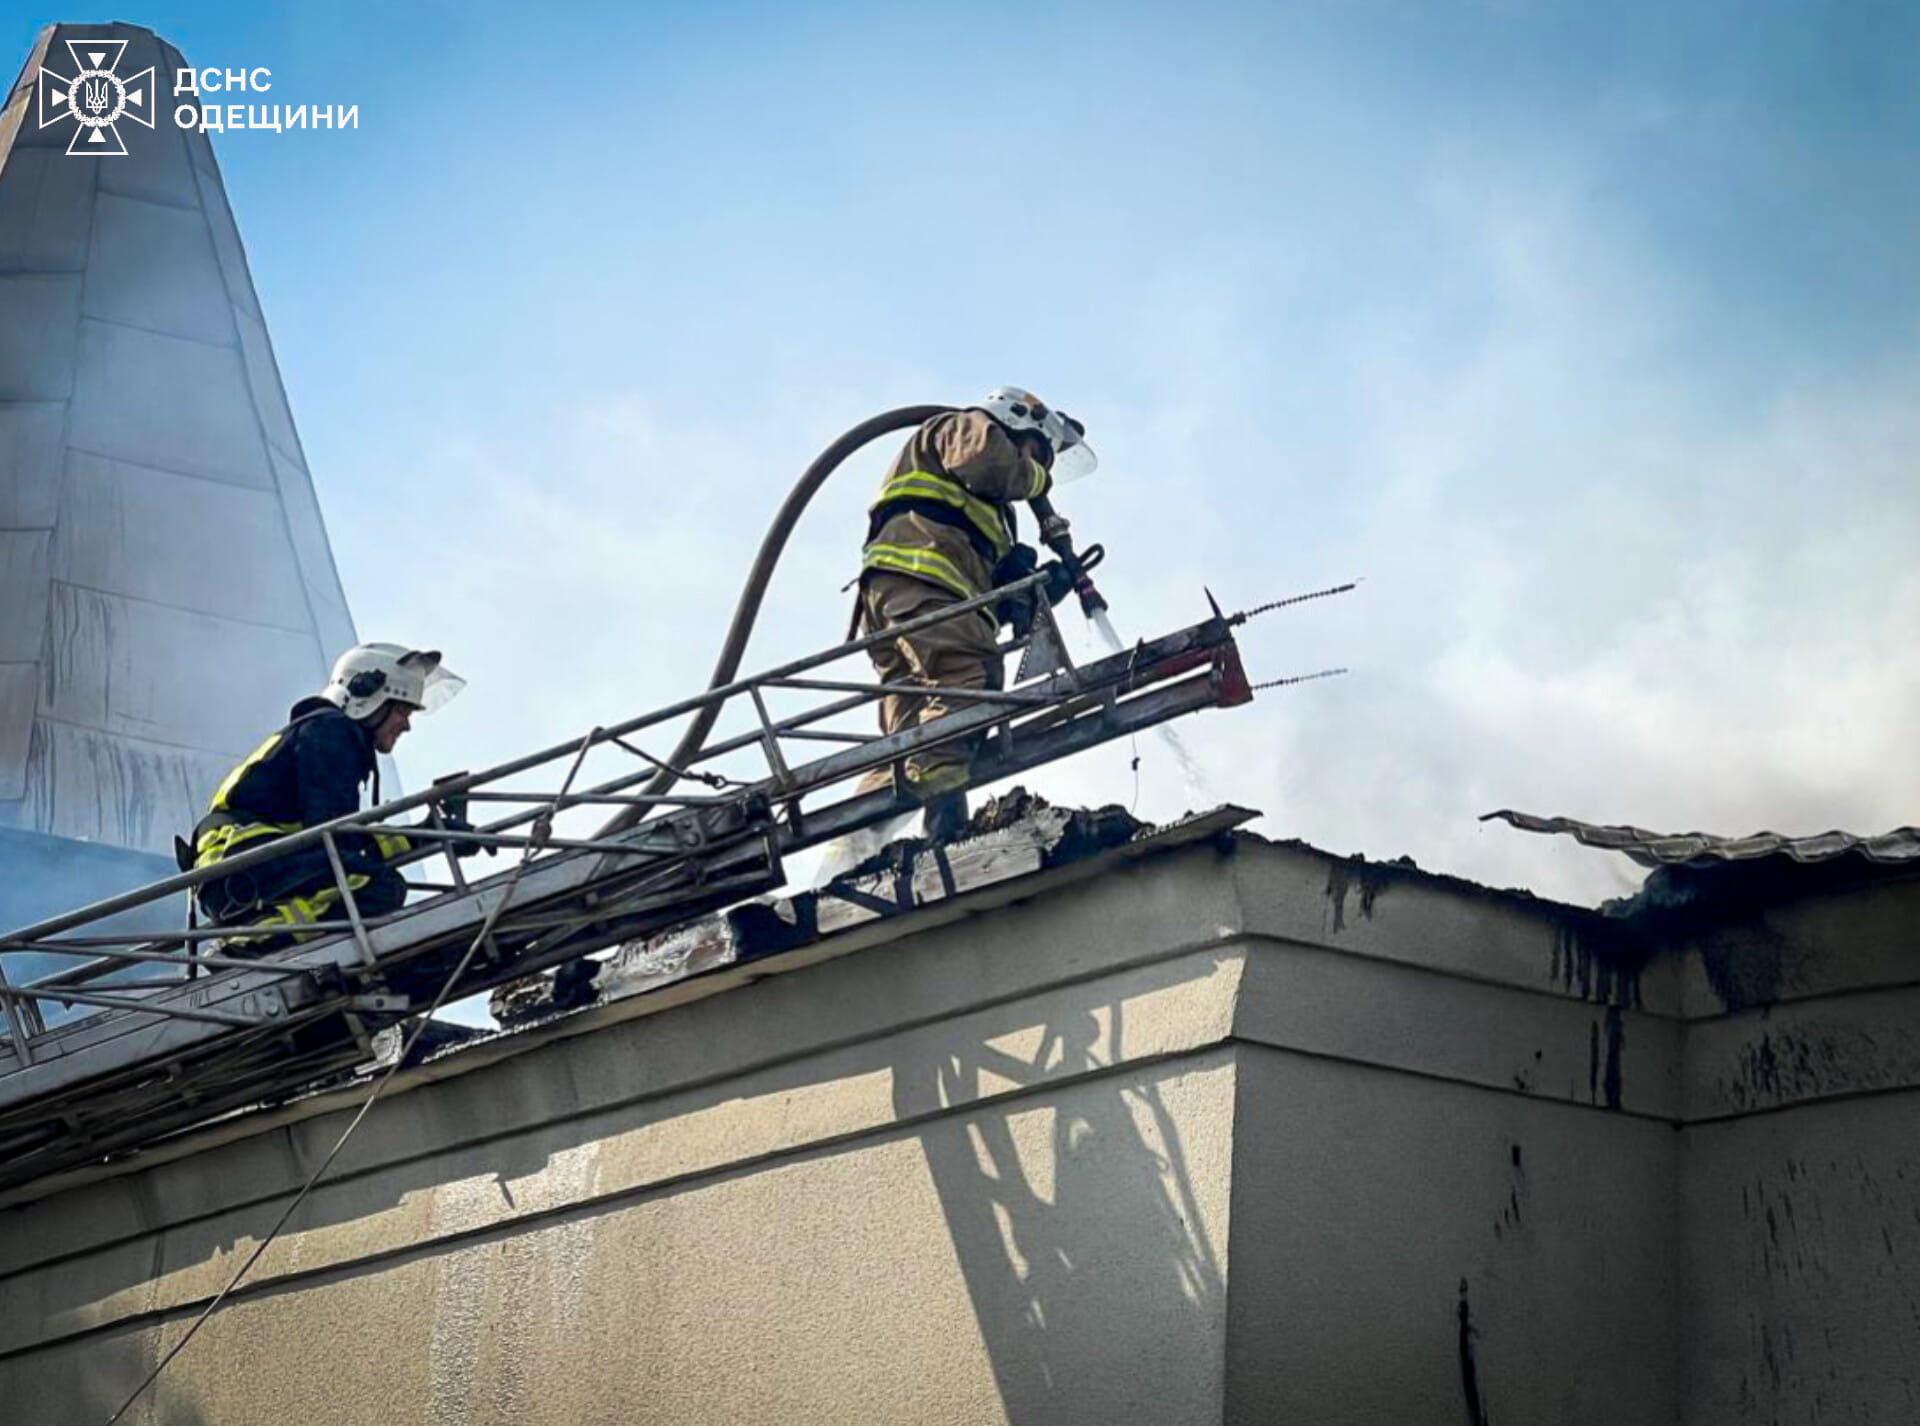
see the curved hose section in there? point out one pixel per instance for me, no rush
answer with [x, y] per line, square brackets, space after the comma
[748, 609]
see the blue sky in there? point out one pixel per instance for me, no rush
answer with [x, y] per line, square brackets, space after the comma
[1587, 334]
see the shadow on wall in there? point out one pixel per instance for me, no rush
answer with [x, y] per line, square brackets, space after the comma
[83, 1385]
[1091, 1290]
[1072, 1208]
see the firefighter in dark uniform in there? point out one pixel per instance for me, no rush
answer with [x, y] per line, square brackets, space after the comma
[309, 772]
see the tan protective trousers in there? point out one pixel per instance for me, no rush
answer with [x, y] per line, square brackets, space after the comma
[958, 653]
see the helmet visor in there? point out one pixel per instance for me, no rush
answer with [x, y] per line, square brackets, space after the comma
[1076, 462]
[440, 689]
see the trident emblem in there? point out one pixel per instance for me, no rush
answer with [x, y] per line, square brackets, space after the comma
[98, 96]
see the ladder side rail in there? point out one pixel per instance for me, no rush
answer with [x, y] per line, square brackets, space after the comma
[791, 726]
[90, 946]
[1012, 697]
[435, 793]
[570, 875]
[148, 1027]
[106, 955]
[1133, 667]
[439, 837]
[1029, 750]
[1152, 661]
[95, 1047]
[14, 993]
[771, 678]
[1043, 694]
[1125, 672]
[1152, 701]
[597, 799]
[787, 676]
[868, 754]
[874, 753]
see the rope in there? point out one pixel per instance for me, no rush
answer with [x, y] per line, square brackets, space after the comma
[542, 829]
[711, 779]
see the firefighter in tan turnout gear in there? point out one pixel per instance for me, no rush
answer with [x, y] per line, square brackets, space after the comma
[310, 772]
[942, 530]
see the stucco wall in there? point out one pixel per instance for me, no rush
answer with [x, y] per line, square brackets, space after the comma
[1800, 1179]
[980, 1175]
[1408, 1249]
[1248, 1135]
[1453, 1158]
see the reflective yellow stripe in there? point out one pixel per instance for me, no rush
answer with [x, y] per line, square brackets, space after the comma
[1040, 479]
[219, 803]
[935, 781]
[922, 564]
[925, 485]
[218, 843]
[295, 911]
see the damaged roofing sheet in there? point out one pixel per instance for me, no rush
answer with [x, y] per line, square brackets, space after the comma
[1702, 849]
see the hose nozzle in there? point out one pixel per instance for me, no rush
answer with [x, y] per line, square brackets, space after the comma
[1054, 535]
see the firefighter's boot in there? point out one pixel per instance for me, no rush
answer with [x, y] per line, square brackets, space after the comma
[945, 817]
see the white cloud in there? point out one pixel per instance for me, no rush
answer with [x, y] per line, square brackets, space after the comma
[1597, 593]
[1595, 584]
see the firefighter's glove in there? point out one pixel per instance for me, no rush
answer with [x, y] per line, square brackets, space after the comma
[1059, 582]
[1016, 563]
[457, 822]
[1017, 614]
[1016, 610]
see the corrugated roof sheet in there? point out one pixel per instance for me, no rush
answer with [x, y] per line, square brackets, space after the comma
[1699, 849]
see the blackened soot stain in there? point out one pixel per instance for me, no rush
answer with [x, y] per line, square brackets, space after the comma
[1616, 1040]
[1469, 1373]
[1371, 877]
[1601, 957]
[1593, 1063]
[1743, 957]
[1516, 1156]
[1338, 877]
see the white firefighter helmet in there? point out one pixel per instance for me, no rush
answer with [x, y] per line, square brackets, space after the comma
[1020, 410]
[367, 676]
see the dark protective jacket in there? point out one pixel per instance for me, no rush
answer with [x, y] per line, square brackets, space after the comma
[945, 512]
[309, 772]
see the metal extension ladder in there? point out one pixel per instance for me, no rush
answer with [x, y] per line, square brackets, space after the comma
[94, 1061]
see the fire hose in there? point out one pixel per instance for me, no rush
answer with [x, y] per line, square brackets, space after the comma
[1053, 533]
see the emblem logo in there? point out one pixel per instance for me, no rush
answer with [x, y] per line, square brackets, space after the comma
[96, 98]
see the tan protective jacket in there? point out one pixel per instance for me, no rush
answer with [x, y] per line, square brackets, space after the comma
[943, 514]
